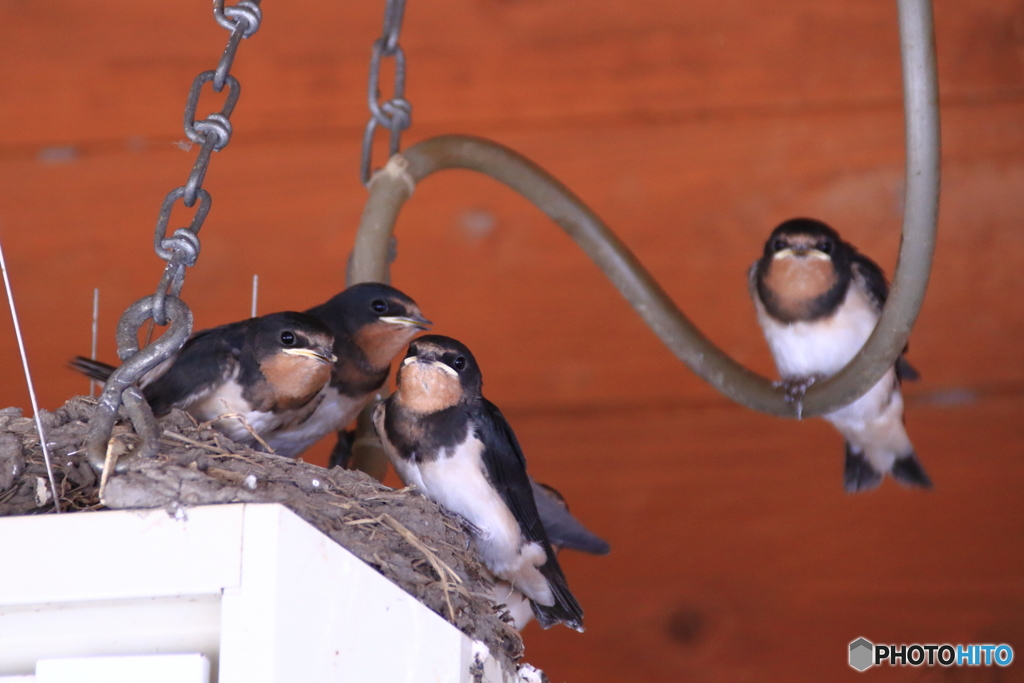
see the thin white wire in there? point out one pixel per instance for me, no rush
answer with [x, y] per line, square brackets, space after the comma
[28, 380]
[255, 293]
[95, 330]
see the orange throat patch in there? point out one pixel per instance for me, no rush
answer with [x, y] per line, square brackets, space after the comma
[795, 283]
[381, 342]
[294, 380]
[424, 388]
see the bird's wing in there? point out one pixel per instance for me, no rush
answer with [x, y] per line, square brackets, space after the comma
[563, 529]
[506, 469]
[872, 281]
[206, 360]
[871, 278]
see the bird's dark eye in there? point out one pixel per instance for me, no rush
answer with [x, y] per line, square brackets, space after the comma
[779, 244]
[459, 363]
[379, 306]
[288, 338]
[826, 247]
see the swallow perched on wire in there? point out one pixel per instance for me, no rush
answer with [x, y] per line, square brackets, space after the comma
[455, 446]
[251, 378]
[818, 300]
[507, 596]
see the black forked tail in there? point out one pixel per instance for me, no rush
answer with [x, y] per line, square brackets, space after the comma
[908, 471]
[565, 610]
[93, 369]
[860, 475]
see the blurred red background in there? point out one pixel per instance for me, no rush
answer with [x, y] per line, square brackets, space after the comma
[692, 129]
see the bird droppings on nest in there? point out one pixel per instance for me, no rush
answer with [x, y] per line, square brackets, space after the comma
[407, 538]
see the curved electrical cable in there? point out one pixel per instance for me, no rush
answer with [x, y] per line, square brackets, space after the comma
[392, 186]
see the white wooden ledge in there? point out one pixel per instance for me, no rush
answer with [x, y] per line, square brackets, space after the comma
[252, 590]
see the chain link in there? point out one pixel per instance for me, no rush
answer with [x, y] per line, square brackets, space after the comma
[242, 20]
[395, 114]
[180, 250]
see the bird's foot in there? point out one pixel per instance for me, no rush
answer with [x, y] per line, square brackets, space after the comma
[795, 388]
[341, 456]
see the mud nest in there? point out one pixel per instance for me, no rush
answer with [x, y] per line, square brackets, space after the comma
[407, 538]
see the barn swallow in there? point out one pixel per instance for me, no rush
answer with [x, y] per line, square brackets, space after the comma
[262, 375]
[369, 324]
[504, 594]
[818, 300]
[455, 447]
[372, 323]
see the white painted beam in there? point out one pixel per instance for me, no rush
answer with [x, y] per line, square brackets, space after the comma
[260, 594]
[151, 669]
[120, 554]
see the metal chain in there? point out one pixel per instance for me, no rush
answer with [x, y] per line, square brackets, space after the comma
[180, 250]
[394, 114]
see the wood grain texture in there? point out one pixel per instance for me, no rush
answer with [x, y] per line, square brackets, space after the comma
[692, 129]
[736, 555]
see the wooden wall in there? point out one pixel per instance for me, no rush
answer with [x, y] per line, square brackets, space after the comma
[693, 128]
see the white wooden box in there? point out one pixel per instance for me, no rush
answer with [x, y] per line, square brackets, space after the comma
[253, 591]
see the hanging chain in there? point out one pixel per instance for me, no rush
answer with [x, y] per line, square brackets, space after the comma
[394, 114]
[180, 250]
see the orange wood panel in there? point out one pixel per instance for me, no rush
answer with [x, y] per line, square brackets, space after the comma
[104, 70]
[735, 527]
[692, 128]
[284, 210]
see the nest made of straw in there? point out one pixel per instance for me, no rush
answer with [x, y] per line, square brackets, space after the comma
[407, 538]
